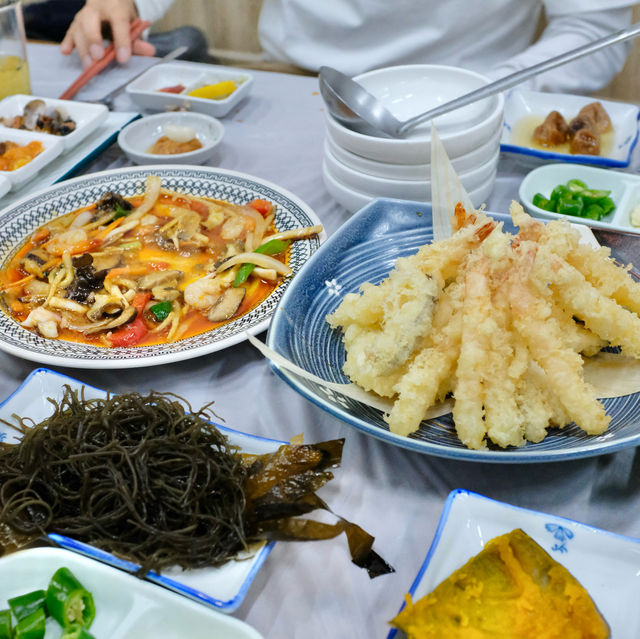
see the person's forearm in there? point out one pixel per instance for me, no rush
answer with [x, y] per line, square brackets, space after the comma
[563, 33]
[152, 10]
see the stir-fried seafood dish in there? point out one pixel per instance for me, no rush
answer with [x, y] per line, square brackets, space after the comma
[583, 132]
[37, 116]
[500, 321]
[146, 269]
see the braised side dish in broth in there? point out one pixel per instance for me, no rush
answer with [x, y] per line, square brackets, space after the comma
[512, 588]
[146, 270]
[582, 134]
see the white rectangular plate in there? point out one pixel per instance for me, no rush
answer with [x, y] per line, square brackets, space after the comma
[145, 89]
[624, 187]
[520, 104]
[125, 605]
[606, 564]
[223, 588]
[88, 117]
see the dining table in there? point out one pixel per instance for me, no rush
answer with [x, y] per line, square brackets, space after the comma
[311, 590]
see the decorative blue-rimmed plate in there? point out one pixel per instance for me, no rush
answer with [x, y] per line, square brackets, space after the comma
[19, 220]
[521, 105]
[364, 250]
[223, 588]
[604, 563]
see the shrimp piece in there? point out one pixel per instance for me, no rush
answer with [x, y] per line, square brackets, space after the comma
[66, 241]
[533, 320]
[45, 321]
[203, 293]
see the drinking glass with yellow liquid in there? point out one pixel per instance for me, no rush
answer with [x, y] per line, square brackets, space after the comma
[14, 67]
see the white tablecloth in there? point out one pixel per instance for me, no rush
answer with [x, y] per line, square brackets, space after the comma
[312, 591]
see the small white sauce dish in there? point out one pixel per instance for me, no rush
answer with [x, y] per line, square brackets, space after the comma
[145, 90]
[624, 187]
[136, 138]
[125, 605]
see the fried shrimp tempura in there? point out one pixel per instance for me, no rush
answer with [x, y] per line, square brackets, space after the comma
[502, 322]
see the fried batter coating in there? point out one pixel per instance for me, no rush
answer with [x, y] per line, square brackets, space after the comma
[500, 321]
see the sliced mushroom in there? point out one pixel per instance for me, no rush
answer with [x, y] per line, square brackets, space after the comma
[33, 110]
[65, 304]
[127, 315]
[104, 305]
[160, 278]
[161, 293]
[104, 261]
[226, 305]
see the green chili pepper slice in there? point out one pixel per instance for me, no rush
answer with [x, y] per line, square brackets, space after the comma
[540, 201]
[76, 631]
[593, 212]
[576, 185]
[32, 626]
[161, 310]
[570, 206]
[24, 605]
[5, 624]
[272, 247]
[68, 601]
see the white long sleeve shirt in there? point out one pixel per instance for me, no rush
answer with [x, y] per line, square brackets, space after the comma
[492, 37]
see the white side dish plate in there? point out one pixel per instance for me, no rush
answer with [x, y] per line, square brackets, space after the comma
[223, 588]
[520, 104]
[87, 116]
[125, 605]
[624, 187]
[604, 563]
[145, 90]
[52, 148]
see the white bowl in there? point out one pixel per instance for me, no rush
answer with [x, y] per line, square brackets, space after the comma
[412, 89]
[353, 200]
[145, 90]
[138, 136]
[406, 189]
[411, 171]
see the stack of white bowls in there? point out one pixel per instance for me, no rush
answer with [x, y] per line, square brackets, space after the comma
[358, 168]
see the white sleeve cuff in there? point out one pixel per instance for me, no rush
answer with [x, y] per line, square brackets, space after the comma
[152, 10]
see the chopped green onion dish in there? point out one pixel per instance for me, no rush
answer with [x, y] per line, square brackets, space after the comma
[577, 199]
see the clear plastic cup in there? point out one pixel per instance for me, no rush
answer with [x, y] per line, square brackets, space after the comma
[14, 66]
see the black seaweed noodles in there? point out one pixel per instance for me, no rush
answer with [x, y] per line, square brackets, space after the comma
[136, 475]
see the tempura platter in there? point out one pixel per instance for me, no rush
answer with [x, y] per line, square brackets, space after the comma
[366, 250]
[22, 218]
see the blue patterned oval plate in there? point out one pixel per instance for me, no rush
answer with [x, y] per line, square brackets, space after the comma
[365, 249]
[23, 217]
[606, 564]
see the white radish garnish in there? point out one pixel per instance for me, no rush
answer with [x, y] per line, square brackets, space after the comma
[178, 133]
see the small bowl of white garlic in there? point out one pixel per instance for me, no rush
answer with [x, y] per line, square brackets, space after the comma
[180, 137]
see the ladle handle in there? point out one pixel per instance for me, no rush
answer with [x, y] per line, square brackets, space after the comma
[524, 74]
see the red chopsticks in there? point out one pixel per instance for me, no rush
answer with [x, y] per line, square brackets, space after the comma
[137, 27]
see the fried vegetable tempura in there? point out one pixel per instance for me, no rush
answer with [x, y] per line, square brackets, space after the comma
[500, 322]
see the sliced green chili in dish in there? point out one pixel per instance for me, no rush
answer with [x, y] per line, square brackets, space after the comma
[68, 601]
[32, 626]
[6, 626]
[272, 247]
[24, 605]
[76, 631]
[577, 199]
[161, 310]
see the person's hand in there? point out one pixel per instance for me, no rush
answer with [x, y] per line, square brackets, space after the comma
[85, 32]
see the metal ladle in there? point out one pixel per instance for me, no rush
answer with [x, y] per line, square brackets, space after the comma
[354, 107]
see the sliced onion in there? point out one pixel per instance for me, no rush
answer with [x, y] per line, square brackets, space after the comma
[265, 261]
[295, 234]
[261, 226]
[151, 194]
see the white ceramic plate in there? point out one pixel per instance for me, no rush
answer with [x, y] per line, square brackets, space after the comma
[136, 138]
[521, 104]
[606, 564]
[52, 148]
[145, 89]
[354, 199]
[23, 217]
[223, 588]
[624, 187]
[87, 116]
[125, 606]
